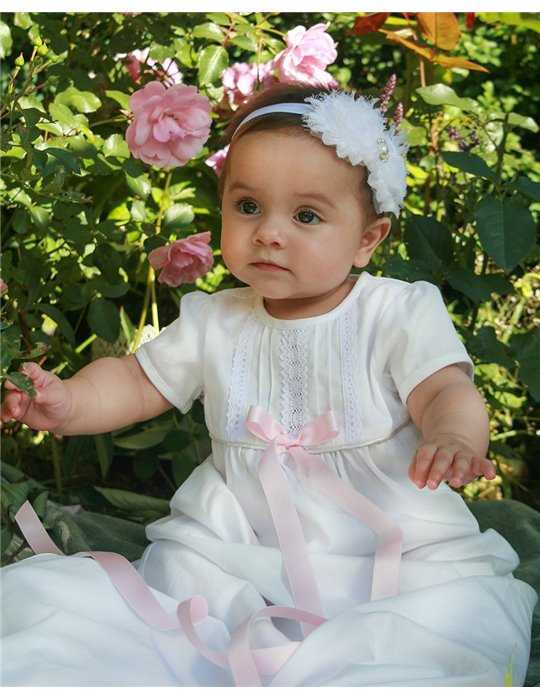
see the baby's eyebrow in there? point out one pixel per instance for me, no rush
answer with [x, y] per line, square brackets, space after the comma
[306, 195]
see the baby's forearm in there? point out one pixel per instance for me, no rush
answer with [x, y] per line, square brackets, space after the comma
[458, 410]
[105, 395]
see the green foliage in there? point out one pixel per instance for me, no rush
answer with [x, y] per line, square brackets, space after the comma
[81, 214]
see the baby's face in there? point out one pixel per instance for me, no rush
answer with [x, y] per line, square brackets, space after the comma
[292, 201]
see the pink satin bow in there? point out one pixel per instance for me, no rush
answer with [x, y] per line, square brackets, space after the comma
[315, 473]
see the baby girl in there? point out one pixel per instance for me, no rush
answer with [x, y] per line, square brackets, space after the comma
[332, 399]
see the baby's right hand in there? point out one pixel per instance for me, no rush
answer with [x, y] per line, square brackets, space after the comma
[45, 411]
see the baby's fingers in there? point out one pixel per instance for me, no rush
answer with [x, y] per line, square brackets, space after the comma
[484, 467]
[462, 470]
[15, 406]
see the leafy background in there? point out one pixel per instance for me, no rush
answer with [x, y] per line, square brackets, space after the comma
[80, 215]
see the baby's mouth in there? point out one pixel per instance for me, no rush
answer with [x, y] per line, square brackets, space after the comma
[269, 267]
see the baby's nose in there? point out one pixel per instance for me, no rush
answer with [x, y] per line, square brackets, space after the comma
[269, 235]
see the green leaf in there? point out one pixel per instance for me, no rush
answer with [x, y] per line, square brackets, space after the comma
[6, 535]
[506, 229]
[527, 20]
[469, 163]
[104, 320]
[178, 215]
[65, 157]
[219, 18]
[149, 437]
[64, 116]
[138, 211]
[209, 30]
[127, 500]
[523, 122]
[81, 101]
[58, 317]
[10, 345]
[14, 495]
[39, 504]
[527, 187]
[429, 243]
[23, 20]
[141, 185]
[40, 216]
[212, 62]
[121, 97]
[527, 349]
[146, 464]
[176, 441]
[105, 451]
[246, 42]
[107, 289]
[487, 348]
[6, 42]
[408, 270]
[476, 287]
[22, 382]
[440, 94]
[115, 146]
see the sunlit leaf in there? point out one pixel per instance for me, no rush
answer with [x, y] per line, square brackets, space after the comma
[6, 42]
[441, 28]
[81, 101]
[440, 94]
[212, 62]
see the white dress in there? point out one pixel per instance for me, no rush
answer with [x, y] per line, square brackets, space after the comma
[458, 618]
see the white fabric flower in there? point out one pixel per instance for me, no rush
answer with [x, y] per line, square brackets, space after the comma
[359, 132]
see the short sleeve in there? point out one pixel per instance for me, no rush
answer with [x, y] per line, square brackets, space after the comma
[423, 338]
[172, 360]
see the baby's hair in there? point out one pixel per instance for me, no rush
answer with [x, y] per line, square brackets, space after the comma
[288, 123]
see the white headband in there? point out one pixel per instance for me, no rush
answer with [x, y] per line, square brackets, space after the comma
[360, 133]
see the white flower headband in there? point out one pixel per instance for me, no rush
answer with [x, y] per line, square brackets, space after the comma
[360, 134]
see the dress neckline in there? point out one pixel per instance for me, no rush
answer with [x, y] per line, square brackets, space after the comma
[270, 320]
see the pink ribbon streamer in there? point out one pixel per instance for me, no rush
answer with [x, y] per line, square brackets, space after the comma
[314, 471]
[247, 664]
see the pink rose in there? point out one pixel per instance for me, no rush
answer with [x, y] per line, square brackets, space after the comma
[240, 80]
[184, 260]
[217, 160]
[170, 125]
[307, 54]
[3, 287]
[136, 61]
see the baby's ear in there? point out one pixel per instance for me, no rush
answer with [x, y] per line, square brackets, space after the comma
[373, 235]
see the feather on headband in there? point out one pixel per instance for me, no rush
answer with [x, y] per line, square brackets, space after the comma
[360, 134]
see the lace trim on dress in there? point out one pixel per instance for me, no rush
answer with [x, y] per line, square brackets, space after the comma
[350, 393]
[293, 360]
[236, 403]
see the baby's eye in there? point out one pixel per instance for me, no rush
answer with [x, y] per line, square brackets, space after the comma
[305, 216]
[240, 205]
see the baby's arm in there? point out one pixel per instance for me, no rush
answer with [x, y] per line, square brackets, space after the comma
[105, 395]
[451, 415]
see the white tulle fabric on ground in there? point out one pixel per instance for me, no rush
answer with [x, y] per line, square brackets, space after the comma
[460, 617]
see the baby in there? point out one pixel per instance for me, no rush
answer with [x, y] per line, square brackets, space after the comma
[329, 397]
[295, 218]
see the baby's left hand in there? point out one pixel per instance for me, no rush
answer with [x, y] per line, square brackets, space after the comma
[447, 458]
